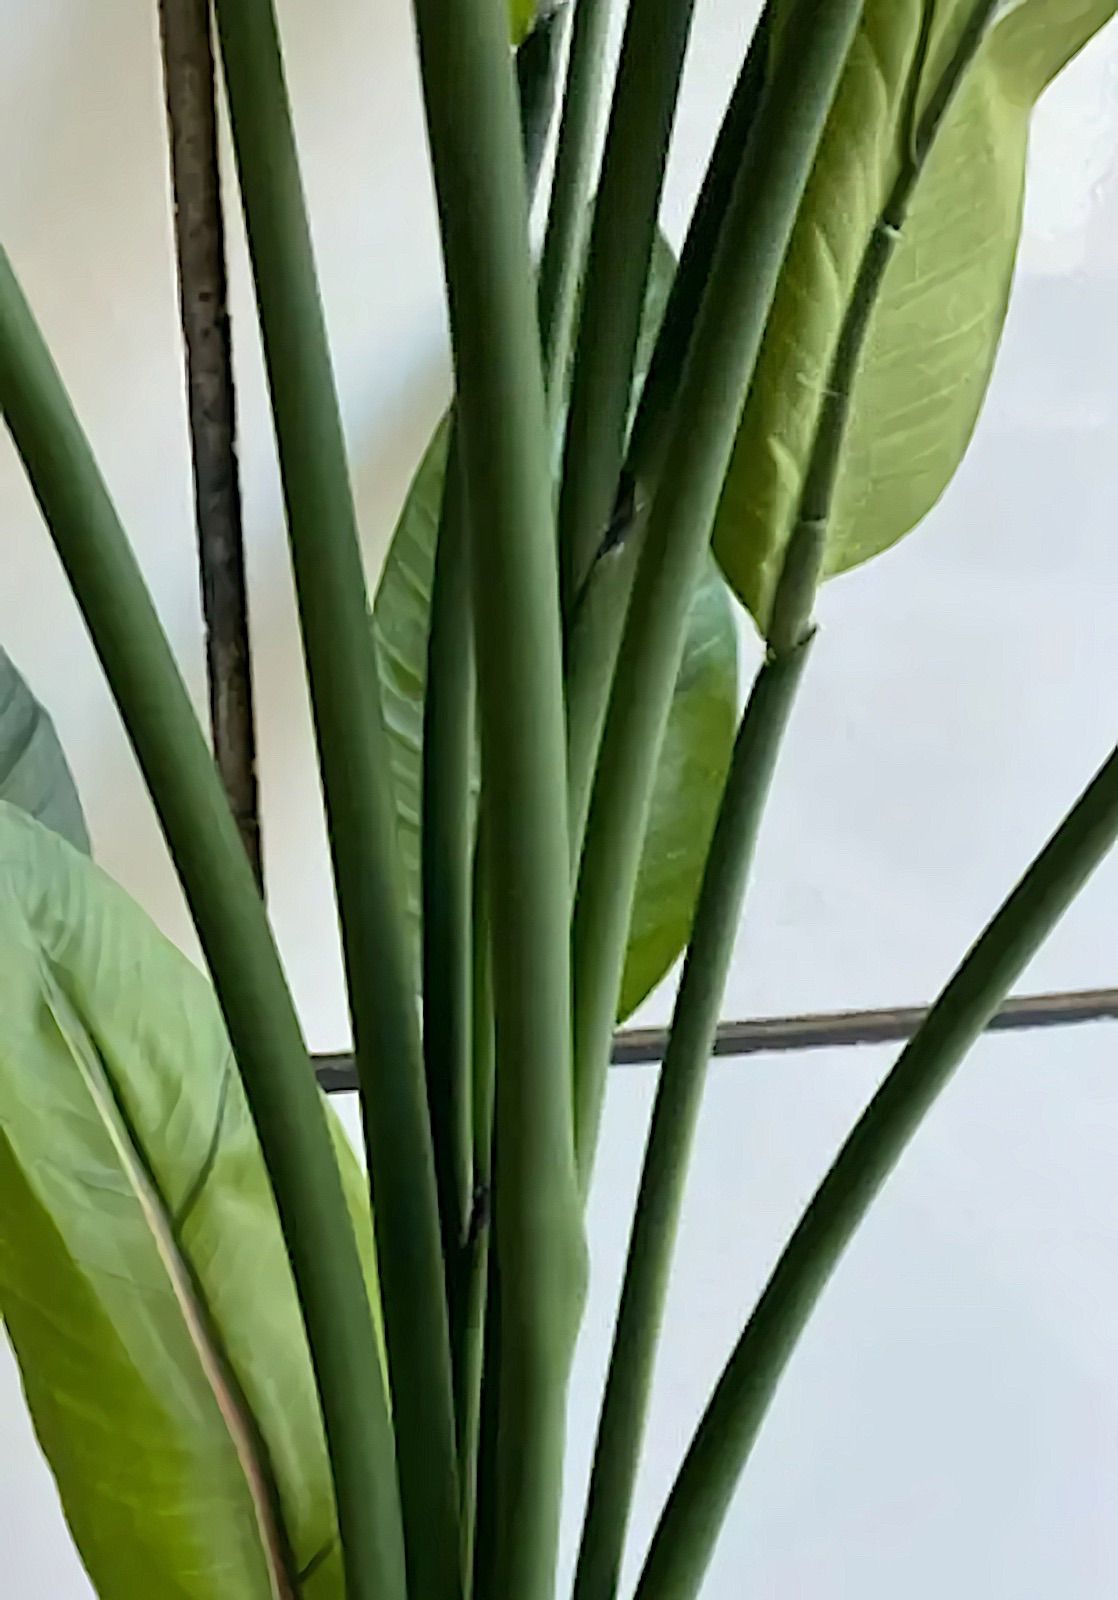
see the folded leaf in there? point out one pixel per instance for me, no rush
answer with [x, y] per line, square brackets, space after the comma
[144, 1282]
[34, 774]
[935, 329]
[697, 742]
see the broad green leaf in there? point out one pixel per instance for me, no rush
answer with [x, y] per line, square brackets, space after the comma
[935, 329]
[697, 742]
[34, 774]
[144, 1282]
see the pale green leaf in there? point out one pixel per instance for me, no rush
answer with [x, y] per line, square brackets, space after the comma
[34, 774]
[935, 329]
[697, 742]
[144, 1282]
[522, 14]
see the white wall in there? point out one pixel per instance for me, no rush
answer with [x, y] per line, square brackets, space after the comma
[951, 1425]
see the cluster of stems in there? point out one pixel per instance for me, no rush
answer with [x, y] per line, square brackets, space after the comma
[556, 632]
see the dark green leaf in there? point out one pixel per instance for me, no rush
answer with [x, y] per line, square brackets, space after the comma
[34, 774]
[935, 330]
[697, 743]
[144, 1282]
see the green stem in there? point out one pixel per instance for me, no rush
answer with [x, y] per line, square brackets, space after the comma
[625, 216]
[696, 1015]
[654, 409]
[678, 1097]
[755, 233]
[447, 831]
[479, 181]
[470, 1366]
[688, 1529]
[487, 1487]
[447, 828]
[570, 188]
[264, 1031]
[537, 72]
[356, 776]
[595, 628]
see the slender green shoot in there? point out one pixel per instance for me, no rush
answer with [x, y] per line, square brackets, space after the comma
[687, 1532]
[678, 1098]
[755, 234]
[624, 226]
[447, 856]
[570, 189]
[235, 937]
[661, 384]
[473, 128]
[716, 919]
[470, 1365]
[598, 618]
[356, 776]
[538, 61]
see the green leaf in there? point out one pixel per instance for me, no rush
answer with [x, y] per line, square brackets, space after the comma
[935, 329]
[34, 774]
[522, 16]
[693, 766]
[144, 1282]
[700, 729]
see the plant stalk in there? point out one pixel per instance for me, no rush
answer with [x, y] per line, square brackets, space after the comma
[654, 409]
[446, 862]
[567, 214]
[470, 101]
[471, 1372]
[696, 1016]
[206, 847]
[449, 869]
[538, 61]
[356, 778]
[624, 226]
[689, 1527]
[671, 1135]
[188, 75]
[755, 233]
[595, 628]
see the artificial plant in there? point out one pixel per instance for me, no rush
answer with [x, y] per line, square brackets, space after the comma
[248, 1379]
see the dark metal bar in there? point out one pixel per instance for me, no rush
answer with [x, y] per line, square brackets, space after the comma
[188, 71]
[822, 1030]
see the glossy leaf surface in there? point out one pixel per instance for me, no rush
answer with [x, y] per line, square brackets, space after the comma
[144, 1282]
[935, 329]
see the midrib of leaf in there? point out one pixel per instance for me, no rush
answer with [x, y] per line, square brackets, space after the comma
[243, 1436]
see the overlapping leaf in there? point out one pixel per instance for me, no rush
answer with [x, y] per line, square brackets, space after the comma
[34, 774]
[935, 329]
[144, 1282]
